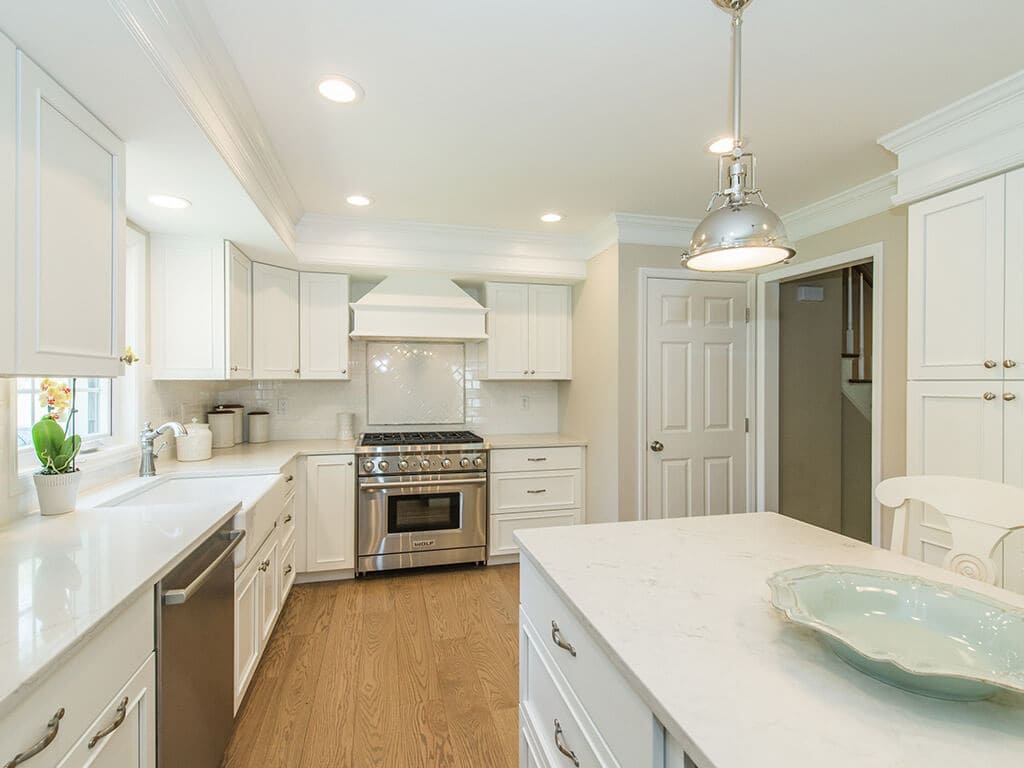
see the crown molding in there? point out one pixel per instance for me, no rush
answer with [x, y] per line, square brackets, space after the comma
[859, 202]
[978, 136]
[181, 40]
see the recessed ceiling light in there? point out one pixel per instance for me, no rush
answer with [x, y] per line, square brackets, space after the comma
[360, 201]
[551, 218]
[339, 89]
[169, 201]
[720, 146]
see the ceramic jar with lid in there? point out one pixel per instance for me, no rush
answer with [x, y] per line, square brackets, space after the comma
[259, 426]
[196, 444]
[238, 412]
[222, 426]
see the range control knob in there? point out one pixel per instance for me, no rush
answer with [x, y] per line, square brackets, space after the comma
[478, 461]
[403, 465]
[446, 463]
[463, 463]
[368, 466]
[383, 465]
[425, 464]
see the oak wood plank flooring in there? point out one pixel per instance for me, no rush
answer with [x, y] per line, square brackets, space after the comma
[410, 670]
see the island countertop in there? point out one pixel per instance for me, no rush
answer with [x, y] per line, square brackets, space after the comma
[682, 608]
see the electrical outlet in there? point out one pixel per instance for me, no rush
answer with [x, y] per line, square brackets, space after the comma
[282, 407]
[524, 403]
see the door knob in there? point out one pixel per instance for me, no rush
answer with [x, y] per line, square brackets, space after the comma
[1009, 363]
[657, 446]
[1008, 396]
[991, 363]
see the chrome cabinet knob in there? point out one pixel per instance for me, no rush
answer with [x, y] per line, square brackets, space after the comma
[991, 363]
[989, 395]
[234, 368]
[1008, 396]
[657, 446]
[526, 373]
[344, 372]
[296, 370]
[1009, 363]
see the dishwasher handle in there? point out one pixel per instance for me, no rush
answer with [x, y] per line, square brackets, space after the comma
[179, 596]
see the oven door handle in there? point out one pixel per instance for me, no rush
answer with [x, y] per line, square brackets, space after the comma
[420, 483]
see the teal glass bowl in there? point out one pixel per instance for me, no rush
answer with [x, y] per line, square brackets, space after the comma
[919, 635]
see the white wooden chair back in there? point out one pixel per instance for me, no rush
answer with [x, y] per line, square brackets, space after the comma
[980, 514]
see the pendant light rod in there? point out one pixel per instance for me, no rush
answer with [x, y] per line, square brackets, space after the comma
[737, 28]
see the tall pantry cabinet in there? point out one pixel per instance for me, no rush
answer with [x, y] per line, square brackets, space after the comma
[965, 348]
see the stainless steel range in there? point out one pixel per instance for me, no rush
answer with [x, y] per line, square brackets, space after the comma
[422, 499]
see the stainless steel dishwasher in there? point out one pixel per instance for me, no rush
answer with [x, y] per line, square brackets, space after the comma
[195, 655]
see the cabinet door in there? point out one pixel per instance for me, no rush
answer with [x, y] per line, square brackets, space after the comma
[287, 570]
[508, 330]
[247, 628]
[270, 588]
[70, 234]
[8, 204]
[955, 278]
[323, 326]
[330, 513]
[275, 322]
[187, 308]
[1013, 343]
[550, 331]
[124, 735]
[238, 356]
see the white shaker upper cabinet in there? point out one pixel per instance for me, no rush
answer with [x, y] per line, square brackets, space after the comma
[529, 330]
[67, 309]
[323, 326]
[1013, 342]
[238, 314]
[275, 322]
[955, 299]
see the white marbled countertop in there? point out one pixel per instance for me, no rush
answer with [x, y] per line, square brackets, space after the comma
[537, 440]
[682, 608]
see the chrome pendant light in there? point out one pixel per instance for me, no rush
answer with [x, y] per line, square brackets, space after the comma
[743, 232]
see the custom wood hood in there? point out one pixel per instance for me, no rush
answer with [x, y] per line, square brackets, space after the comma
[418, 307]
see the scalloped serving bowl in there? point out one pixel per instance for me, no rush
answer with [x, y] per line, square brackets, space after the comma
[922, 636]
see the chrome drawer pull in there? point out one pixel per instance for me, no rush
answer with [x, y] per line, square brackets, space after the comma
[562, 747]
[52, 728]
[539, 458]
[122, 712]
[289, 478]
[538, 490]
[287, 518]
[287, 570]
[556, 635]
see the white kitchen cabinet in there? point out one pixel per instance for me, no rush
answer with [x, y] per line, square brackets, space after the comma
[247, 627]
[201, 309]
[270, 586]
[275, 322]
[529, 331]
[330, 513]
[323, 326]
[532, 488]
[63, 214]
[957, 298]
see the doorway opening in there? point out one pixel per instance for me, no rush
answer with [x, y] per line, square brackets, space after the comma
[819, 392]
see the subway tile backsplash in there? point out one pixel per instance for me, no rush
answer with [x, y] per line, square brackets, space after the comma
[311, 407]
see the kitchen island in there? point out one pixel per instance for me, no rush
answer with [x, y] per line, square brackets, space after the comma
[671, 620]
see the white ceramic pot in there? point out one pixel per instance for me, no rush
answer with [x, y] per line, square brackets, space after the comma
[57, 493]
[259, 427]
[196, 444]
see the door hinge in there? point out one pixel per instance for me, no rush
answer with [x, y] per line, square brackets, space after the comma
[747, 314]
[746, 425]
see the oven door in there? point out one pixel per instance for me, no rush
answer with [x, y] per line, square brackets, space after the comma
[426, 513]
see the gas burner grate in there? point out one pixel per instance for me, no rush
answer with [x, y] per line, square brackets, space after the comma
[419, 438]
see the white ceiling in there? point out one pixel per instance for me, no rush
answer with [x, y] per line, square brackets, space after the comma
[490, 113]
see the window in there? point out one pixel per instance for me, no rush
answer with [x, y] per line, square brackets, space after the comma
[93, 402]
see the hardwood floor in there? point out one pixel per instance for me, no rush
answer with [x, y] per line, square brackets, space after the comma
[401, 671]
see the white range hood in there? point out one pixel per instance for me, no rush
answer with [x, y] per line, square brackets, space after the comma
[420, 307]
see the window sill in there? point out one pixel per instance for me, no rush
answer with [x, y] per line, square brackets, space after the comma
[101, 459]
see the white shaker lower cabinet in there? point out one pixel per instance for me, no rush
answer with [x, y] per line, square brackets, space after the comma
[88, 689]
[330, 513]
[575, 707]
[533, 488]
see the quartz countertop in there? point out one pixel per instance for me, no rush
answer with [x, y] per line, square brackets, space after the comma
[535, 440]
[682, 608]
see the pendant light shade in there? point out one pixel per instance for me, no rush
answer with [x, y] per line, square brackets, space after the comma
[743, 232]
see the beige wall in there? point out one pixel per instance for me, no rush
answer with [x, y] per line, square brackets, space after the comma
[588, 404]
[891, 229]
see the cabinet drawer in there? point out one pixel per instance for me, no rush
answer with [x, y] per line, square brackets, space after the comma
[534, 491]
[291, 477]
[620, 716]
[83, 685]
[504, 526]
[530, 459]
[549, 717]
[286, 522]
[287, 570]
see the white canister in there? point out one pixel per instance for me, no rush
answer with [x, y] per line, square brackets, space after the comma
[346, 426]
[196, 445]
[259, 426]
[222, 426]
[239, 413]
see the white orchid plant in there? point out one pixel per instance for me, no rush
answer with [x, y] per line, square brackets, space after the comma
[56, 446]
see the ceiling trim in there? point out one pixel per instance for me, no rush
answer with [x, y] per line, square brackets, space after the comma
[181, 41]
[859, 202]
[970, 139]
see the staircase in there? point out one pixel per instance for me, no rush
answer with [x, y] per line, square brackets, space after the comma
[857, 339]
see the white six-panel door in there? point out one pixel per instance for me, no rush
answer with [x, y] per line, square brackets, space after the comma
[696, 397]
